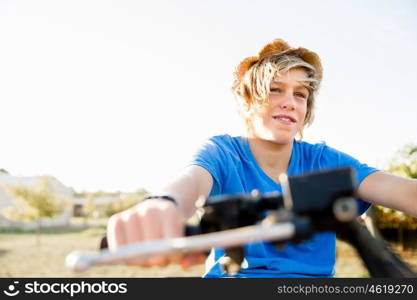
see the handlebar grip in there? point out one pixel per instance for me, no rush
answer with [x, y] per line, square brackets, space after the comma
[191, 230]
[103, 243]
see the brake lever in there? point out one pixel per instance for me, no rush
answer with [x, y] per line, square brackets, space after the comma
[79, 261]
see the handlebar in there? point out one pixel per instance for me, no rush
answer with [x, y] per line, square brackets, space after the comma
[320, 201]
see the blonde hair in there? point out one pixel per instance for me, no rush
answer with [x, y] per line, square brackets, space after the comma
[254, 75]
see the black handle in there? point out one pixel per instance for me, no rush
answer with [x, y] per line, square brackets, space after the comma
[379, 260]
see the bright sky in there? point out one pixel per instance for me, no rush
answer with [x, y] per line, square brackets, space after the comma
[116, 95]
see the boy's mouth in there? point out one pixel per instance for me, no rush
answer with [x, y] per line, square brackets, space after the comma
[285, 119]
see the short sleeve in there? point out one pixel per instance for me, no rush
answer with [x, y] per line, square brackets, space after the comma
[210, 156]
[334, 158]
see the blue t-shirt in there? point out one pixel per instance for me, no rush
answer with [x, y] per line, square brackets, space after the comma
[234, 170]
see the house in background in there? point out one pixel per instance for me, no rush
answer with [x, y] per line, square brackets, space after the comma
[64, 193]
[105, 204]
[99, 205]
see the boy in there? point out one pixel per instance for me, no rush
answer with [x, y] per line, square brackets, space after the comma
[276, 93]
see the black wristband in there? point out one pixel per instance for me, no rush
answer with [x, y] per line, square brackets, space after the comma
[165, 197]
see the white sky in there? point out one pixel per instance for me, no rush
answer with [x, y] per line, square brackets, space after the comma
[116, 95]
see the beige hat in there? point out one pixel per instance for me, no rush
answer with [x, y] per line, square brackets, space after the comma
[279, 46]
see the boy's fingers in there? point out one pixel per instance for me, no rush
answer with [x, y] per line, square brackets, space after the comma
[192, 259]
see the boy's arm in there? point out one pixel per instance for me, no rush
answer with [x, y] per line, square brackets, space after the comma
[194, 182]
[391, 191]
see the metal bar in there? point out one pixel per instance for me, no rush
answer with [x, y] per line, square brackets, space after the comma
[80, 261]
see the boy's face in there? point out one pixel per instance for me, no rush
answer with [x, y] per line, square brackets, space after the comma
[283, 116]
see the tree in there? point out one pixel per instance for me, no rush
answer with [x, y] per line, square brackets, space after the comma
[88, 207]
[121, 205]
[3, 171]
[33, 204]
[405, 162]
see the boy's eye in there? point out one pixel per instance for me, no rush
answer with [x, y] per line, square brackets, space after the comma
[301, 95]
[275, 90]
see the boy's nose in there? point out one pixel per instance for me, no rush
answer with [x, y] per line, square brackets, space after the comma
[288, 102]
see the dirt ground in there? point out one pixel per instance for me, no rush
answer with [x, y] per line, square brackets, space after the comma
[20, 257]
